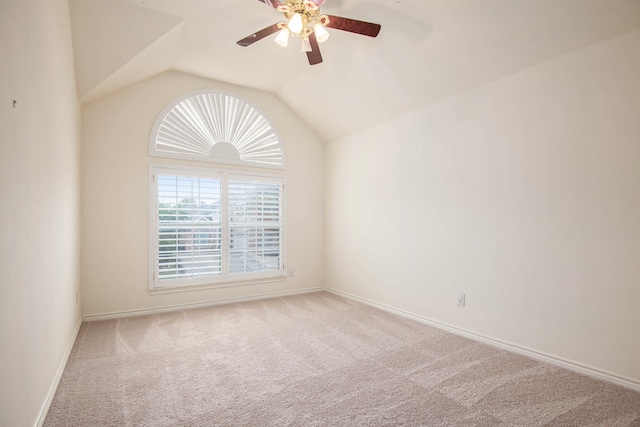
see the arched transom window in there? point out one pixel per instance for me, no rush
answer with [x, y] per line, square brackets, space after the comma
[216, 127]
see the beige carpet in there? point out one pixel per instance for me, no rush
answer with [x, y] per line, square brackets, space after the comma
[315, 360]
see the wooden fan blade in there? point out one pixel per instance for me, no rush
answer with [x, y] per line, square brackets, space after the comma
[314, 57]
[354, 26]
[249, 40]
[273, 3]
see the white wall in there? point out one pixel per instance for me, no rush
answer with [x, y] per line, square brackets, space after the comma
[524, 194]
[115, 188]
[39, 204]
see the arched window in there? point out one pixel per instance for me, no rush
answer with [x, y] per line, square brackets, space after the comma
[216, 127]
[210, 226]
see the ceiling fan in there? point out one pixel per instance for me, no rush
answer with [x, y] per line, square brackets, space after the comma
[304, 21]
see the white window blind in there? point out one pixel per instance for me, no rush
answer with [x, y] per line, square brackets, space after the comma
[213, 227]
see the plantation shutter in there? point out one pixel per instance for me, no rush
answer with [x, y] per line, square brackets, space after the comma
[193, 127]
[189, 227]
[211, 227]
[255, 226]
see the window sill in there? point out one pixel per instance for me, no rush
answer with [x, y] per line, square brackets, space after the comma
[175, 289]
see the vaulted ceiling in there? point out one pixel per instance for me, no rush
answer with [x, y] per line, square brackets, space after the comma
[427, 50]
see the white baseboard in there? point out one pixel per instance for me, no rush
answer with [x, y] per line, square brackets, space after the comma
[558, 361]
[42, 415]
[170, 308]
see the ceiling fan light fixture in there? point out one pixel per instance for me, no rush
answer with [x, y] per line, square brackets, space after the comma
[303, 20]
[283, 37]
[321, 33]
[295, 23]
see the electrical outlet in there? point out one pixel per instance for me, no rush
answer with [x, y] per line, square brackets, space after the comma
[290, 273]
[461, 300]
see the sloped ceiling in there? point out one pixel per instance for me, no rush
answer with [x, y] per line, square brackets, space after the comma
[427, 50]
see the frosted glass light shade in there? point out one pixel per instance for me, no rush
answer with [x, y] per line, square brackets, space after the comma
[295, 23]
[306, 45]
[283, 37]
[321, 33]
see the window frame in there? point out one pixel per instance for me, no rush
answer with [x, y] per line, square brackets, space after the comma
[225, 279]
